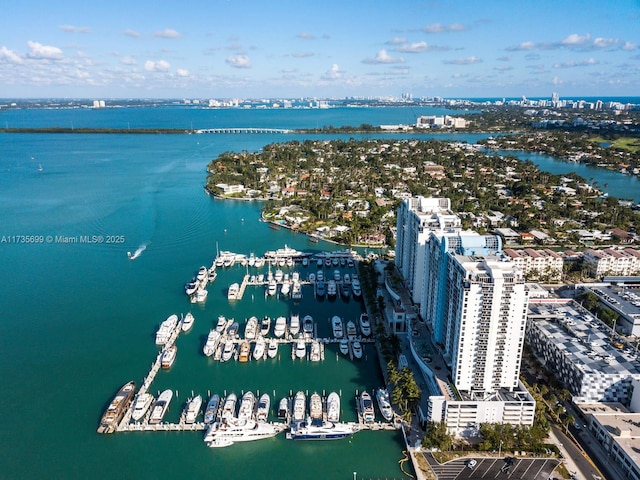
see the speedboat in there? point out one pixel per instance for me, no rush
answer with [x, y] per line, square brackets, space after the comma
[355, 287]
[212, 408]
[116, 409]
[203, 273]
[251, 328]
[200, 296]
[337, 276]
[228, 350]
[333, 407]
[272, 349]
[301, 347]
[272, 287]
[315, 355]
[307, 325]
[245, 351]
[229, 408]
[232, 330]
[356, 347]
[222, 323]
[191, 287]
[262, 413]
[281, 326]
[283, 408]
[193, 409]
[187, 322]
[166, 329]
[320, 289]
[294, 326]
[332, 288]
[315, 406]
[305, 262]
[160, 407]
[344, 346]
[336, 326]
[247, 405]
[319, 429]
[141, 405]
[312, 278]
[259, 348]
[169, 356]
[299, 407]
[382, 396]
[213, 339]
[320, 276]
[265, 325]
[351, 330]
[234, 290]
[365, 325]
[286, 288]
[366, 407]
[279, 275]
[296, 291]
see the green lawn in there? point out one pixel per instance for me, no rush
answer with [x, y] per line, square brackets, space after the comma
[627, 143]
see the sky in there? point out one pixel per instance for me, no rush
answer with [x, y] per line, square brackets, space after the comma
[326, 48]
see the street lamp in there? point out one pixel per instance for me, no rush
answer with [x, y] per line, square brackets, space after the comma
[354, 475]
[500, 449]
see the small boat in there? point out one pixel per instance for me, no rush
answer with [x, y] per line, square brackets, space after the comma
[212, 408]
[141, 405]
[320, 276]
[245, 351]
[335, 261]
[160, 407]
[332, 288]
[347, 279]
[382, 396]
[312, 278]
[187, 322]
[229, 407]
[265, 325]
[222, 323]
[283, 408]
[315, 406]
[203, 273]
[247, 405]
[355, 287]
[333, 407]
[232, 330]
[337, 276]
[252, 260]
[286, 288]
[296, 291]
[320, 289]
[320, 430]
[350, 263]
[259, 348]
[262, 413]
[294, 325]
[327, 262]
[320, 262]
[234, 290]
[345, 290]
[307, 325]
[351, 330]
[299, 407]
[213, 339]
[116, 409]
[251, 328]
[272, 350]
[344, 346]
[336, 326]
[169, 356]
[279, 275]
[212, 275]
[166, 329]
[365, 325]
[228, 350]
[281, 326]
[200, 296]
[366, 407]
[191, 287]
[305, 262]
[356, 347]
[259, 262]
[343, 261]
[301, 347]
[272, 287]
[289, 262]
[316, 353]
[193, 409]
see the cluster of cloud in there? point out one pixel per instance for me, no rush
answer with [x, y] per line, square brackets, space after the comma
[577, 42]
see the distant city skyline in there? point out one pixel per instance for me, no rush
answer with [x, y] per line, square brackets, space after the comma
[287, 49]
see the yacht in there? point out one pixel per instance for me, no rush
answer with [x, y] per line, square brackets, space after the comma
[347, 279]
[320, 289]
[327, 262]
[259, 262]
[259, 348]
[252, 260]
[356, 347]
[228, 350]
[116, 409]
[247, 405]
[212, 275]
[355, 287]
[272, 349]
[294, 325]
[229, 408]
[332, 288]
[344, 346]
[312, 278]
[223, 434]
[335, 261]
[301, 347]
[187, 322]
[365, 325]
[234, 290]
[262, 413]
[193, 409]
[315, 406]
[213, 339]
[169, 356]
[336, 326]
[337, 276]
[345, 290]
[307, 325]
[251, 328]
[350, 263]
[296, 291]
[320, 276]
[160, 407]
[320, 262]
[279, 275]
[141, 405]
[232, 330]
[286, 288]
[305, 262]
[382, 396]
[299, 407]
[333, 407]
[245, 351]
[283, 408]
[366, 407]
[212, 408]
[200, 296]
[191, 287]
[272, 287]
[222, 323]
[320, 430]
[343, 261]
[351, 330]
[203, 274]
[316, 352]
[166, 329]
[265, 325]
[281, 326]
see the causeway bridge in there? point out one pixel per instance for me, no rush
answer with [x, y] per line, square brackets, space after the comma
[243, 130]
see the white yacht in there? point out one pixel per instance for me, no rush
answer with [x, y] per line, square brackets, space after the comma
[203, 273]
[228, 351]
[222, 323]
[351, 330]
[337, 276]
[265, 326]
[279, 275]
[264, 404]
[333, 407]
[280, 327]
[301, 347]
[294, 325]
[141, 405]
[299, 407]
[272, 349]
[382, 396]
[212, 408]
[223, 434]
[347, 279]
[213, 339]
[193, 409]
[251, 328]
[166, 329]
[355, 287]
[320, 276]
[356, 347]
[296, 291]
[320, 262]
[234, 290]
[187, 322]
[284, 407]
[191, 287]
[259, 348]
[312, 278]
[160, 407]
[316, 351]
[229, 408]
[307, 326]
[286, 288]
[305, 262]
[332, 288]
[344, 346]
[366, 407]
[321, 430]
[365, 325]
[272, 287]
[168, 356]
[247, 405]
[200, 296]
[336, 326]
[315, 406]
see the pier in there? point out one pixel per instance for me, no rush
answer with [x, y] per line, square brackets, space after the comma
[243, 130]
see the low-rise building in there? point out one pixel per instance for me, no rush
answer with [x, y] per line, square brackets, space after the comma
[540, 265]
[612, 262]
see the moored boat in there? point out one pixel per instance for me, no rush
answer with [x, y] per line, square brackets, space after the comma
[245, 351]
[320, 430]
[272, 349]
[259, 348]
[316, 351]
[191, 287]
[141, 406]
[365, 325]
[228, 351]
[166, 329]
[351, 330]
[222, 323]
[251, 328]
[233, 292]
[213, 339]
[247, 405]
[344, 346]
[280, 327]
[265, 325]
[307, 326]
[115, 411]
[200, 296]
[264, 404]
[321, 289]
[299, 407]
[355, 287]
[301, 347]
[284, 407]
[336, 327]
[193, 409]
[366, 407]
[356, 347]
[187, 322]
[223, 434]
[229, 408]
[294, 324]
[286, 288]
[382, 396]
[160, 407]
[332, 288]
[333, 407]
[296, 291]
[272, 287]
[232, 330]
[168, 356]
[315, 406]
[212, 408]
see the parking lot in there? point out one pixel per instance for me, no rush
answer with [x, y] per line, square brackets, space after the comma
[486, 468]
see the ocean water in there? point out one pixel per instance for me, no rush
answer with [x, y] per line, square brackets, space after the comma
[78, 319]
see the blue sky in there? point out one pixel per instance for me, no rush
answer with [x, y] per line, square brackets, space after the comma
[328, 48]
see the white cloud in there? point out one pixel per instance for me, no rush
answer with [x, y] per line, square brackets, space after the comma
[463, 61]
[383, 57]
[414, 47]
[575, 39]
[581, 63]
[605, 42]
[629, 46]
[239, 61]
[43, 52]
[74, 29]
[306, 36]
[167, 33]
[522, 46]
[397, 41]
[439, 28]
[333, 73]
[302, 54]
[128, 61]
[159, 66]
[9, 55]
[132, 33]
[181, 72]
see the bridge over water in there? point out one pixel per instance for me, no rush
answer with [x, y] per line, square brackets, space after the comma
[243, 130]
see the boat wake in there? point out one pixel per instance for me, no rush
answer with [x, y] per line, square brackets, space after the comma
[137, 253]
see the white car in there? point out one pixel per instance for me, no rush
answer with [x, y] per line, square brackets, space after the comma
[471, 463]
